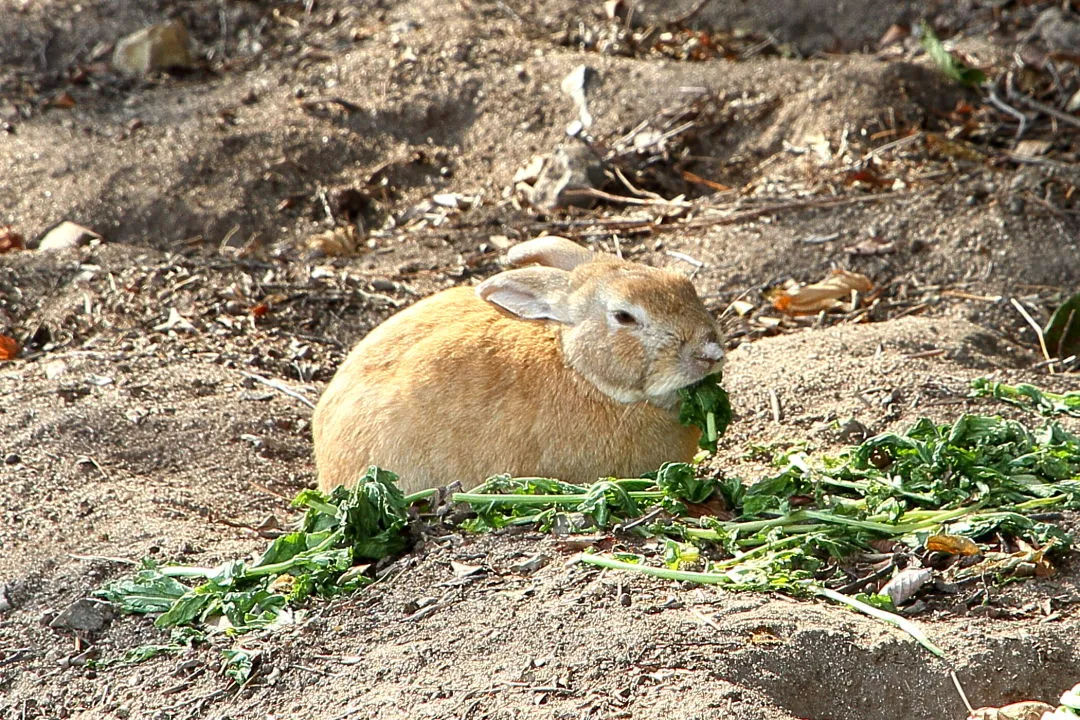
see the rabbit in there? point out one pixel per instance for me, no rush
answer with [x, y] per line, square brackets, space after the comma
[568, 368]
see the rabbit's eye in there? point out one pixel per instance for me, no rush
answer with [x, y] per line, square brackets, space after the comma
[624, 318]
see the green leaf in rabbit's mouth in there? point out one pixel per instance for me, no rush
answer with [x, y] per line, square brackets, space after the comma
[706, 405]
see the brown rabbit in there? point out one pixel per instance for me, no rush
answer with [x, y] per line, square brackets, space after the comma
[567, 369]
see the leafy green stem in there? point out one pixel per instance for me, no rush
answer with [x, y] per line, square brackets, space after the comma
[577, 499]
[884, 615]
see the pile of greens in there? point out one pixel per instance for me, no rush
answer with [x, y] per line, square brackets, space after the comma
[339, 530]
[794, 531]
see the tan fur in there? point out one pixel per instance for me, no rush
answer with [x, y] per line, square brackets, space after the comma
[455, 388]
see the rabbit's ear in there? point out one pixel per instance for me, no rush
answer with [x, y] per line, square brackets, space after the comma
[532, 293]
[549, 251]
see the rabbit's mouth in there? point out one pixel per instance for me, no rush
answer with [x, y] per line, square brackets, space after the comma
[709, 356]
[664, 391]
[697, 362]
[702, 367]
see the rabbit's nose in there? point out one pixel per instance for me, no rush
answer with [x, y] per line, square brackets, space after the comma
[711, 351]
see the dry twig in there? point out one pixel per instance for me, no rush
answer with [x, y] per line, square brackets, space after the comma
[280, 387]
[1038, 332]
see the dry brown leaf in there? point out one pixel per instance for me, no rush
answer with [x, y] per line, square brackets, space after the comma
[1026, 710]
[9, 347]
[10, 240]
[339, 241]
[694, 178]
[942, 146]
[64, 101]
[867, 177]
[894, 34]
[871, 246]
[283, 584]
[713, 507]
[952, 544]
[764, 637]
[962, 110]
[824, 295]
[1026, 563]
[884, 546]
[1031, 148]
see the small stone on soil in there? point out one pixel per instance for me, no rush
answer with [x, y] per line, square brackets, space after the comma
[531, 565]
[84, 614]
[66, 235]
[157, 47]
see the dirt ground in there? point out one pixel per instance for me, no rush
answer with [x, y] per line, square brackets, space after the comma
[137, 419]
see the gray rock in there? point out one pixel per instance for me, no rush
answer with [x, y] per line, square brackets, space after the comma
[66, 235]
[531, 565]
[565, 174]
[576, 85]
[1058, 31]
[157, 47]
[85, 614]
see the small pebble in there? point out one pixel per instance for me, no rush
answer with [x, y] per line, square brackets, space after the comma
[12, 459]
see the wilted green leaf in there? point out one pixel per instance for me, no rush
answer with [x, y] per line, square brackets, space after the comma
[149, 591]
[679, 481]
[1062, 332]
[239, 664]
[947, 62]
[366, 521]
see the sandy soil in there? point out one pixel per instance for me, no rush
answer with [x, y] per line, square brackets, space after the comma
[135, 421]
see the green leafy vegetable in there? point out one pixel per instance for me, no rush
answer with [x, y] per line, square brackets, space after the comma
[1062, 332]
[364, 522]
[947, 62]
[797, 530]
[1029, 397]
[149, 591]
[706, 405]
[679, 481]
[370, 516]
[239, 664]
[881, 602]
[180, 639]
[503, 501]
[677, 554]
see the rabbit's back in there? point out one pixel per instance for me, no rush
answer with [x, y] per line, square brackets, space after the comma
[454, 388]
